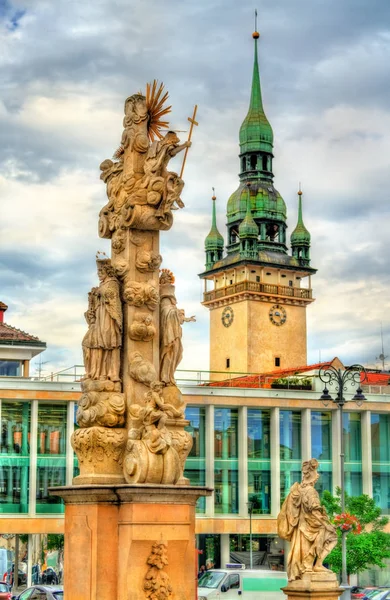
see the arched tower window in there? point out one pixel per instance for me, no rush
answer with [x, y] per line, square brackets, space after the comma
[243, 165]
[265, 162]
[253, 162]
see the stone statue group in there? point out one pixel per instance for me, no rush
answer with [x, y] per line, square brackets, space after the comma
[131, 413]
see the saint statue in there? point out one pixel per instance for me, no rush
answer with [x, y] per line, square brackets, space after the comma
[304, 523]
[171, 320]
[103, 340]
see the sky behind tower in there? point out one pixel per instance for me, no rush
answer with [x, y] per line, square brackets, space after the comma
[66, 69]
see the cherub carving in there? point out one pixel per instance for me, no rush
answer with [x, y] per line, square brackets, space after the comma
[148, 261]
[142, 328]
[139, 294]
[141, 370]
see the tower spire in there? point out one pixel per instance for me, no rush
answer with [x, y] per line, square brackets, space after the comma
[300, 237]
[214, 242]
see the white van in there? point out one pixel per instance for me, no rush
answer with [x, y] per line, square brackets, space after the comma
[240, 584]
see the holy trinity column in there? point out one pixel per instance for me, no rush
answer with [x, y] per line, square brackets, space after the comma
[131, 413]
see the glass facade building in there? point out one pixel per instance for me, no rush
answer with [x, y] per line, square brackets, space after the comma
[226, 478]
[259, 460]
[380, 448]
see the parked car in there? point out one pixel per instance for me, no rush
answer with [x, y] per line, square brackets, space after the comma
[357, 592]
[380, 594]
[5, 591]
[41, 592]
[370, 592]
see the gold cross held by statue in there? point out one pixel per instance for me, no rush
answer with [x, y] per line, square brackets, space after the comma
[193, 122]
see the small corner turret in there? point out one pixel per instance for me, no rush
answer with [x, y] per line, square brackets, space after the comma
[300, 237]
[214, 242]
[248, 232]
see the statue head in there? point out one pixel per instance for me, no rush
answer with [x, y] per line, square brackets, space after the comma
[104, 267]
[170, 139]
[309, 472]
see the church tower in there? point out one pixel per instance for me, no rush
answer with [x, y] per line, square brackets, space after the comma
[257, 292]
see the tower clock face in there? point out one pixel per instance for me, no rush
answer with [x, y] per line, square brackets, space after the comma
[277, 315]
[227, 316]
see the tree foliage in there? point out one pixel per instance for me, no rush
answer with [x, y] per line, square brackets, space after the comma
[371, 546]
[55, 541]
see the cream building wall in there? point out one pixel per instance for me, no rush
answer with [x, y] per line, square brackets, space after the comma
[252, 341]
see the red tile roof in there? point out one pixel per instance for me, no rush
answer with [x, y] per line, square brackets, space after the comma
[9, 335]
[265, 380]
[375, 378]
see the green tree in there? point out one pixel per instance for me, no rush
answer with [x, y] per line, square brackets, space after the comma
[55, 541]
[371, 546]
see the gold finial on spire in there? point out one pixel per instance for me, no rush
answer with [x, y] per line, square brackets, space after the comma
[255, 34]
[300, 190]
[213, 197]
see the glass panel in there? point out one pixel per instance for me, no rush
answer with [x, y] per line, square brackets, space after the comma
[51, 461]
[290, 435]
[225, 432]
[226, 468]
[290, 450]
[259, 433]
[15, 459]
[321, 448]
[353, 453]
[10, 368]
[195, 467]
[380, 440]
[259, 467]
[321, 435]
[226, 487]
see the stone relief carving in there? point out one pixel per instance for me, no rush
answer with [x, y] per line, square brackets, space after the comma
[157, 585]
[100, 444]
[142, 328]
[141, 370]
[150, 454]
[118, 241]
[147, 261]
[138, 294]
[304, 523]
[141, 191]
[106, 409]
[103, 340]
[171, 320]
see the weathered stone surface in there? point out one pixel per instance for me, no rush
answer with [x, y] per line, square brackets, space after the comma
[304, 523]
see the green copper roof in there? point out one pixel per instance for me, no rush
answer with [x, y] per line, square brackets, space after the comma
[214, 238]
[300, 236]
[256, 132]
[248, 227]
[266, 202]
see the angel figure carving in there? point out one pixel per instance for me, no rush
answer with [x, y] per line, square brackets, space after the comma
[103, 340]
[304, 523]
[171, 320]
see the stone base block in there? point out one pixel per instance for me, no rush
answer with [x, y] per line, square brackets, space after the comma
[321, 585]
[127, 538]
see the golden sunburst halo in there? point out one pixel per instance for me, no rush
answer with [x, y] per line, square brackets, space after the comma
[155, 100]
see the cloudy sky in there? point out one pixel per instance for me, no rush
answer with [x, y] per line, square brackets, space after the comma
[66, 68]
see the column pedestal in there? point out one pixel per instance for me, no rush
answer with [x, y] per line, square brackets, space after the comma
[321, 586]
[110, 532]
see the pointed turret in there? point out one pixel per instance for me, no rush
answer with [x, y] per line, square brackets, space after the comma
[214, 242]
[248, 232]
[256, 133]
[300, 237]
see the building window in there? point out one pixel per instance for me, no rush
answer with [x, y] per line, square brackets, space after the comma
[228, 363]
[231, 282]
[10, 368]
[14, 457]
[258, 278]
[51, 450]
[283, 275]
[290, 450]
[380, 443]
[226, 463]
[259, 465]
[195, 467]
[321, 447]
[353, 453]
[277, 361]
